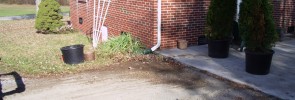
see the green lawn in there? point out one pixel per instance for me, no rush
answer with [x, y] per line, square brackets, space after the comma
[25, 51]
[29, 53]
[14, 10]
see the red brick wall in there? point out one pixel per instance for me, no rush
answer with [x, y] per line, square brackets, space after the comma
[134, 16]
[284, 10]
[181, 19]
[79, 10]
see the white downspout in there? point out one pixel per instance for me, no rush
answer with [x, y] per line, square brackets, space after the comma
[238, 10]
[159, 26]
[94, 24]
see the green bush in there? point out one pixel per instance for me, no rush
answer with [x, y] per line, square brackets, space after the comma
[120, 45]
[257, 26]
[48, 18]
[220, 17]
[31, 2]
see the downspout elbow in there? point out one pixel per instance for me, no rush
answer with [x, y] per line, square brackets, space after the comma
[148, 51]
[158, 26]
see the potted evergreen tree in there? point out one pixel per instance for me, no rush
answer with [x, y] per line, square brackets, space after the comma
[257, 29]
[219, 27]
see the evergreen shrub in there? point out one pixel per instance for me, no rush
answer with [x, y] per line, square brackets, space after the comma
[48, 17]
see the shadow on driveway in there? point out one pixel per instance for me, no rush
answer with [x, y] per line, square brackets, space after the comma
[19, 83]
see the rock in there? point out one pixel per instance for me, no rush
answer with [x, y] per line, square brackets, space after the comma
[131, 68]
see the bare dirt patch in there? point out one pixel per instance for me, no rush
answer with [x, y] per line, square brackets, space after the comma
[141, 79]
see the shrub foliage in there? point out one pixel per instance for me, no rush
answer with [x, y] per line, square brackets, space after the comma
[257, 26]
[48, 18]
[124, 44]
[220, 17]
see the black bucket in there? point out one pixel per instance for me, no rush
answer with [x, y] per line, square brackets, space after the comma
[73, 54]
[258, 63]
[218, 48]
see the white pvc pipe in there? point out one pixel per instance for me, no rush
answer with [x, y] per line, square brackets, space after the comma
[98, 22]
[106, 12]
[93, 27]
[104, 34]
[238, 10]
[159, 26]
[96, 29]
[100, 19]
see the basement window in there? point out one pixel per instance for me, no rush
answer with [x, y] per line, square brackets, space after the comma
[82, 1]
[80, 20]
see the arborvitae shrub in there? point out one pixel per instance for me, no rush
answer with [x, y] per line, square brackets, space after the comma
[48, 18]
[219, 20]
[257, 25]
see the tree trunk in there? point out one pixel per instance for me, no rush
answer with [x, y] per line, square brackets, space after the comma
[37, 5]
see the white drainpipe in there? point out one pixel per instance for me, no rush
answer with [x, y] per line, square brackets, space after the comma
[159, 26]
[238, 10]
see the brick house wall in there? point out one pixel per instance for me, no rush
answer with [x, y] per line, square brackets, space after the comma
[284, 11]
[132, 16]
[137, 17]
[181, 19]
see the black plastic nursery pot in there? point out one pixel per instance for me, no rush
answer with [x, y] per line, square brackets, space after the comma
[218, 48]
[258, 63]
[73, 54]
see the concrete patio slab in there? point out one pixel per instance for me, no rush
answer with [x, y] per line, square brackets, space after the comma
[280, 82]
